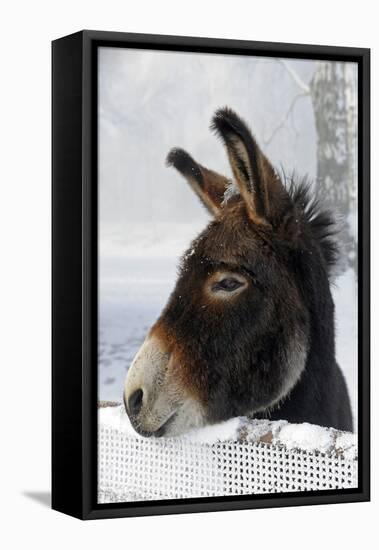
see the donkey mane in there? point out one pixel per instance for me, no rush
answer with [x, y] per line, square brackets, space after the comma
[322, 222]
[303, 202]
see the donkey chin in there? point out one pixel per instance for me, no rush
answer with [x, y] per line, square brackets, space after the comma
[155, 404]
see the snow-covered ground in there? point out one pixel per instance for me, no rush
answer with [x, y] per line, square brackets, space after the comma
[137, 271]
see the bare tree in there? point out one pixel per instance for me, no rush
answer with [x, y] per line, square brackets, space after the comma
[333, 94]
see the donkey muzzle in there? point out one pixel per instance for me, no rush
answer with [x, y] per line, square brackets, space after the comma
[155, 401]
[150, 401]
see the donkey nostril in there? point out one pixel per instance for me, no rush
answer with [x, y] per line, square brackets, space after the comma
[135, 402]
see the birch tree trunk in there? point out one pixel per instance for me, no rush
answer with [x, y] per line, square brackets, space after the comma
[333, 91]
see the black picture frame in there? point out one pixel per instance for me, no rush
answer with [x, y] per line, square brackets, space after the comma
[74, 272]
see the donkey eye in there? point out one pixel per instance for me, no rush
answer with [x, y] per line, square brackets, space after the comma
[229, 285]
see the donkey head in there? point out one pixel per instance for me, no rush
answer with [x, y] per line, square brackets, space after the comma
[233, 337]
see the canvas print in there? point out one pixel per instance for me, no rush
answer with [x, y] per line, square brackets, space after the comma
[227, 275]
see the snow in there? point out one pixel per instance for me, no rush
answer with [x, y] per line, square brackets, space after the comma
[116, 418]
[306, 437]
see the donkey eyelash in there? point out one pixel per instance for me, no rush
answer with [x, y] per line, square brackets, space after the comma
[244, 271]
[251, 275]
[223, 266]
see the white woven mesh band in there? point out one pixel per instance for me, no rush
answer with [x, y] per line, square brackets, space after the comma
[134, 468]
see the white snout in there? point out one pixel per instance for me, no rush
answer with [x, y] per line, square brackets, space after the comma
[155, 403]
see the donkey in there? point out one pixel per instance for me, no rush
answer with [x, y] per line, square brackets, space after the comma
[249, 327]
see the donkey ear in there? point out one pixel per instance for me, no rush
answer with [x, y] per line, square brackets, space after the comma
[208, 185]
[255, 176]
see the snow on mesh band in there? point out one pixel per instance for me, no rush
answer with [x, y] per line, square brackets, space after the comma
[239, 457]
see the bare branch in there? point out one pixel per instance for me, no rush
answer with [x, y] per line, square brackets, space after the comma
[295, 77]
[281, 124]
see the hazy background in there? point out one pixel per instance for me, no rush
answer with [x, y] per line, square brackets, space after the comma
[152, 101]
[303, 114]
